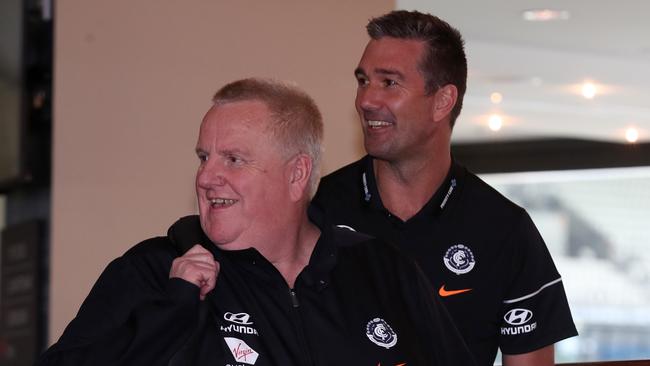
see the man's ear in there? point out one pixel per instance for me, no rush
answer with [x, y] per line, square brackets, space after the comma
[444, 101]
[299, 168]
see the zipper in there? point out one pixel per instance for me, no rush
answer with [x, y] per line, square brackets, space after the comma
[294, 298]
[295, 304]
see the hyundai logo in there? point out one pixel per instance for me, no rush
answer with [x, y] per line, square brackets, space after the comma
[238, 318]
[518, 316]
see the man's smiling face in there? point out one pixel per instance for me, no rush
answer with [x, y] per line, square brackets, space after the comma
[393, 106]
[241, 182]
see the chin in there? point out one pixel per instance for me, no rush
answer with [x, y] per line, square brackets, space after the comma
[223, 238]
[213, 233]
[375, 148]
[377, 154]
[370, 149]
[218, 239]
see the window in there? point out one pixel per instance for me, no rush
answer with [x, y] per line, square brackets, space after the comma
[596, 223]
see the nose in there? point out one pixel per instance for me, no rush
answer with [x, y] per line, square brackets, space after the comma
[367, 99]
[209, 175]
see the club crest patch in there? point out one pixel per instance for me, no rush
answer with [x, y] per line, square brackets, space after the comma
[459, 259]
[380, 333]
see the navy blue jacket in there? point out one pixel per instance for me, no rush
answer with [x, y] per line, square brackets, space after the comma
[356, 303]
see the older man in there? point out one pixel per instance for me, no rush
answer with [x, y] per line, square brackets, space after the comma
[255, 280]
[481, 252]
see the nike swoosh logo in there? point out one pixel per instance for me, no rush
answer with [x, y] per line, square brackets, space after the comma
[444, 293]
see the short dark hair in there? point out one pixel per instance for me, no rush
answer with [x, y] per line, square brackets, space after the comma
[296, 122]
[444, 61]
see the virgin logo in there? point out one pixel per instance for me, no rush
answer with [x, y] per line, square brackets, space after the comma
[241, 351]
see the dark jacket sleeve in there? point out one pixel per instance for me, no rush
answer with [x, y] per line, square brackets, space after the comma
[134, 315]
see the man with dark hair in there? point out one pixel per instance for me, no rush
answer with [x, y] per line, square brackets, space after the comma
[481, 252]
[254, 279]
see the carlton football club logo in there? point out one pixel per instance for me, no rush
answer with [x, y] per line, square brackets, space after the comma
[380, 333]
[459, 259]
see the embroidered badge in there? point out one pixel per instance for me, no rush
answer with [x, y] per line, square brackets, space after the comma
[380, 333]
[459, 259]
[518, 322]
[241, 351]
[241, 323]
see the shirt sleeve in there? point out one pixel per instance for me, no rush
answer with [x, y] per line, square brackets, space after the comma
[534, 312]
[127, 320]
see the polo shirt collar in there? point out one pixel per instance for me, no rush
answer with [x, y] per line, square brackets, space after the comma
[443, 197]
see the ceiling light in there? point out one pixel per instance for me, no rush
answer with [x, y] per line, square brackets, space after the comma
[589, 90]
[496, 98]
[545, 15]
[632, 135]
[495, 122]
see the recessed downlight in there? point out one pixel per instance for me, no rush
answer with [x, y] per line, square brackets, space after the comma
[496, 97]
[495, 122]
[545, 15]
[631, 135]
[589, 90]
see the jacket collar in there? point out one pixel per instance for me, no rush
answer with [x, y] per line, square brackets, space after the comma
[187, 232]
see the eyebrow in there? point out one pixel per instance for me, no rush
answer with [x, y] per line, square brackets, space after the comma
[380, 71]
[235, 151]
[222, 152]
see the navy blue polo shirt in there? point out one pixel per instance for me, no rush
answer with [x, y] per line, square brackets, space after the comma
[481, 252]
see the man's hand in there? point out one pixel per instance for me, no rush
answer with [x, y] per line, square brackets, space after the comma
[197, 266]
